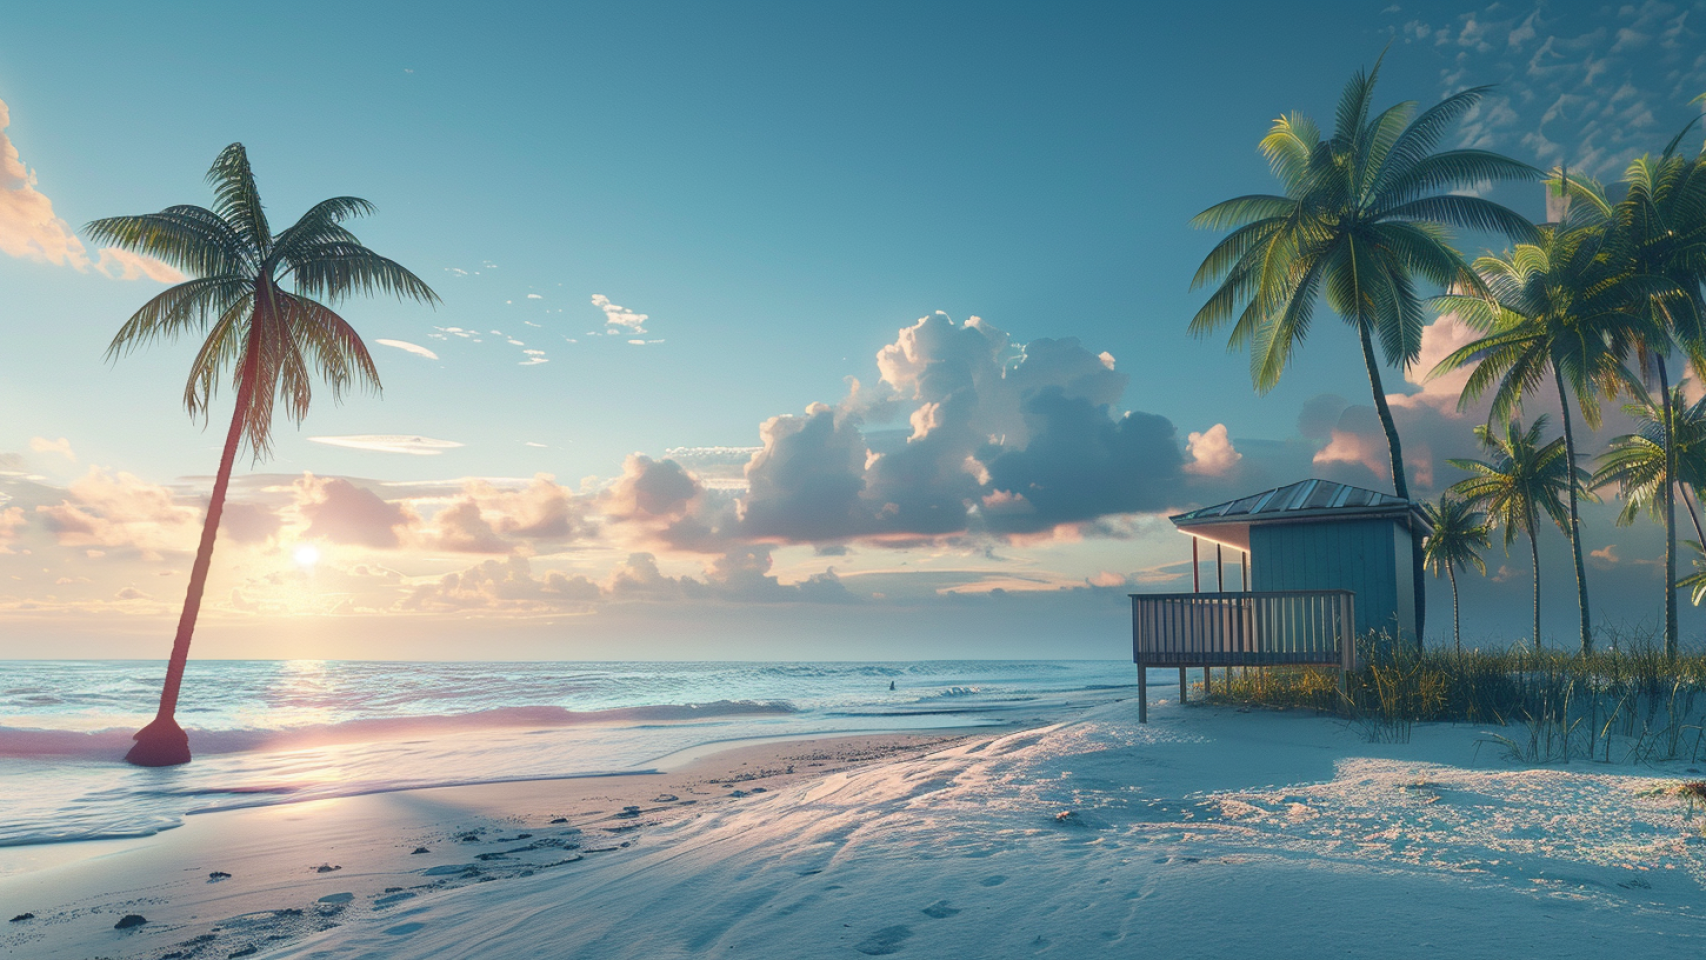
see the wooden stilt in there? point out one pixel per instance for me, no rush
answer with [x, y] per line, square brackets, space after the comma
[1184, 688]
[1196, 568]
[1219, 570]
[1142, 694]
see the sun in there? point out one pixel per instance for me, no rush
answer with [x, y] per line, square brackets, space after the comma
[306, 555]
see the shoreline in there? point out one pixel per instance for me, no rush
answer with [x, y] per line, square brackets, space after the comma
[377, 848]
[1084, 834]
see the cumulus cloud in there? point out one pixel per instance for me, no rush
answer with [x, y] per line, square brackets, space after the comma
[1441, 338]
[463, 528]
[391, 443]
[408, 347]
[543, 511]
[1212, 453]
[744, 575]
[30, 230]
[503, 585]
[1004, 439]
[341, 512]
[117, 511]
[650, 488]
[638, 578]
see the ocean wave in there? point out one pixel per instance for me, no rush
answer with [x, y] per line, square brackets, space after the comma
[112, 743]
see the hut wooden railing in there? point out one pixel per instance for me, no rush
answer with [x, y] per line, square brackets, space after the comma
[1261, 629]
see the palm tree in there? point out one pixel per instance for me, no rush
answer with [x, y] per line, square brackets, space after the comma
[1523, 479]
[1363, 216]
[272, 340]
[1636, 461]
[1566, 310]
[1459, 534]
[1661, 226]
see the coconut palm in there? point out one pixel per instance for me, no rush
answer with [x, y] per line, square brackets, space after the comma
[1459, 534]
[1363, 217]
[1563, 312]
[1522, 479]
[1636, 461]
[1661, 227]
[270, 340]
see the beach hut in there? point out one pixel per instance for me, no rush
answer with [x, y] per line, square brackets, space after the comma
[1321, 535]
[1322, 563]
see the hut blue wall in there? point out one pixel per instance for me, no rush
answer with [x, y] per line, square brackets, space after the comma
[1362, 556]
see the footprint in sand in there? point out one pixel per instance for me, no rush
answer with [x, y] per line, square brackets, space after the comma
[884, 941]
[994, 881]
[940, 910]
[403, 929]
[336, 898]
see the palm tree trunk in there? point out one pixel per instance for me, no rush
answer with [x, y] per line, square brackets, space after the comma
[1699, 535]
[1575, 520]
[1534, 552]
[1456, 633]
[1400, 484]
[1670, 513]
[163, 743]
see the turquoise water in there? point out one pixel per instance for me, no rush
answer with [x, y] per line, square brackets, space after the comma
[290, 730]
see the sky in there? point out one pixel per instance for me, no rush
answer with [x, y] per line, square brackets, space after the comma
[756, 319]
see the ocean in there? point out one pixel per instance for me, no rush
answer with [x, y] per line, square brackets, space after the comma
[280, 731]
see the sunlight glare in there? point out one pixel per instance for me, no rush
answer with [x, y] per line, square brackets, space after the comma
[307, 555]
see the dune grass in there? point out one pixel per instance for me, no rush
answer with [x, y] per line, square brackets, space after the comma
[1629, 704]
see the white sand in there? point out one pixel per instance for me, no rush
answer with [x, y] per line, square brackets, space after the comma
[1208, 833]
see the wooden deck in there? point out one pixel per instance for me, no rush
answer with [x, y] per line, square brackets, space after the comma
[1260, 629]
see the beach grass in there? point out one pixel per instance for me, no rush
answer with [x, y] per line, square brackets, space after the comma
[1628, 704]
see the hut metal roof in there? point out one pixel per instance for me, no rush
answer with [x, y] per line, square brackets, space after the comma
[1319, 500]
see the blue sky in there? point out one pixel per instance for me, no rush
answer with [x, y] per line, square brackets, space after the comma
[780, 189]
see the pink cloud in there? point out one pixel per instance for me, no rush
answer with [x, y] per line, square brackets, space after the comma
[463, 528]
[1211, 451]
[30, 230]
[122, 511]
[11, 521]
[342, 512]
[1440, 339]
[61, 446]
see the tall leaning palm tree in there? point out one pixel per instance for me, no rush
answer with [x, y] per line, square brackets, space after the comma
[1362, 218]
[1459, 535]
[261, 302]
[1522, 479]
[1564, 312]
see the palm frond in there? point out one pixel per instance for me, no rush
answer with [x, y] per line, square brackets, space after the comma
[237, 200]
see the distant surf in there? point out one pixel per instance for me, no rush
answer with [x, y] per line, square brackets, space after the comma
[113, 742]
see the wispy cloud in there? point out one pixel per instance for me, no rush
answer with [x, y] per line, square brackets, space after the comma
[30, 230]
[408, 347]
[391, 443]
[61, 446]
